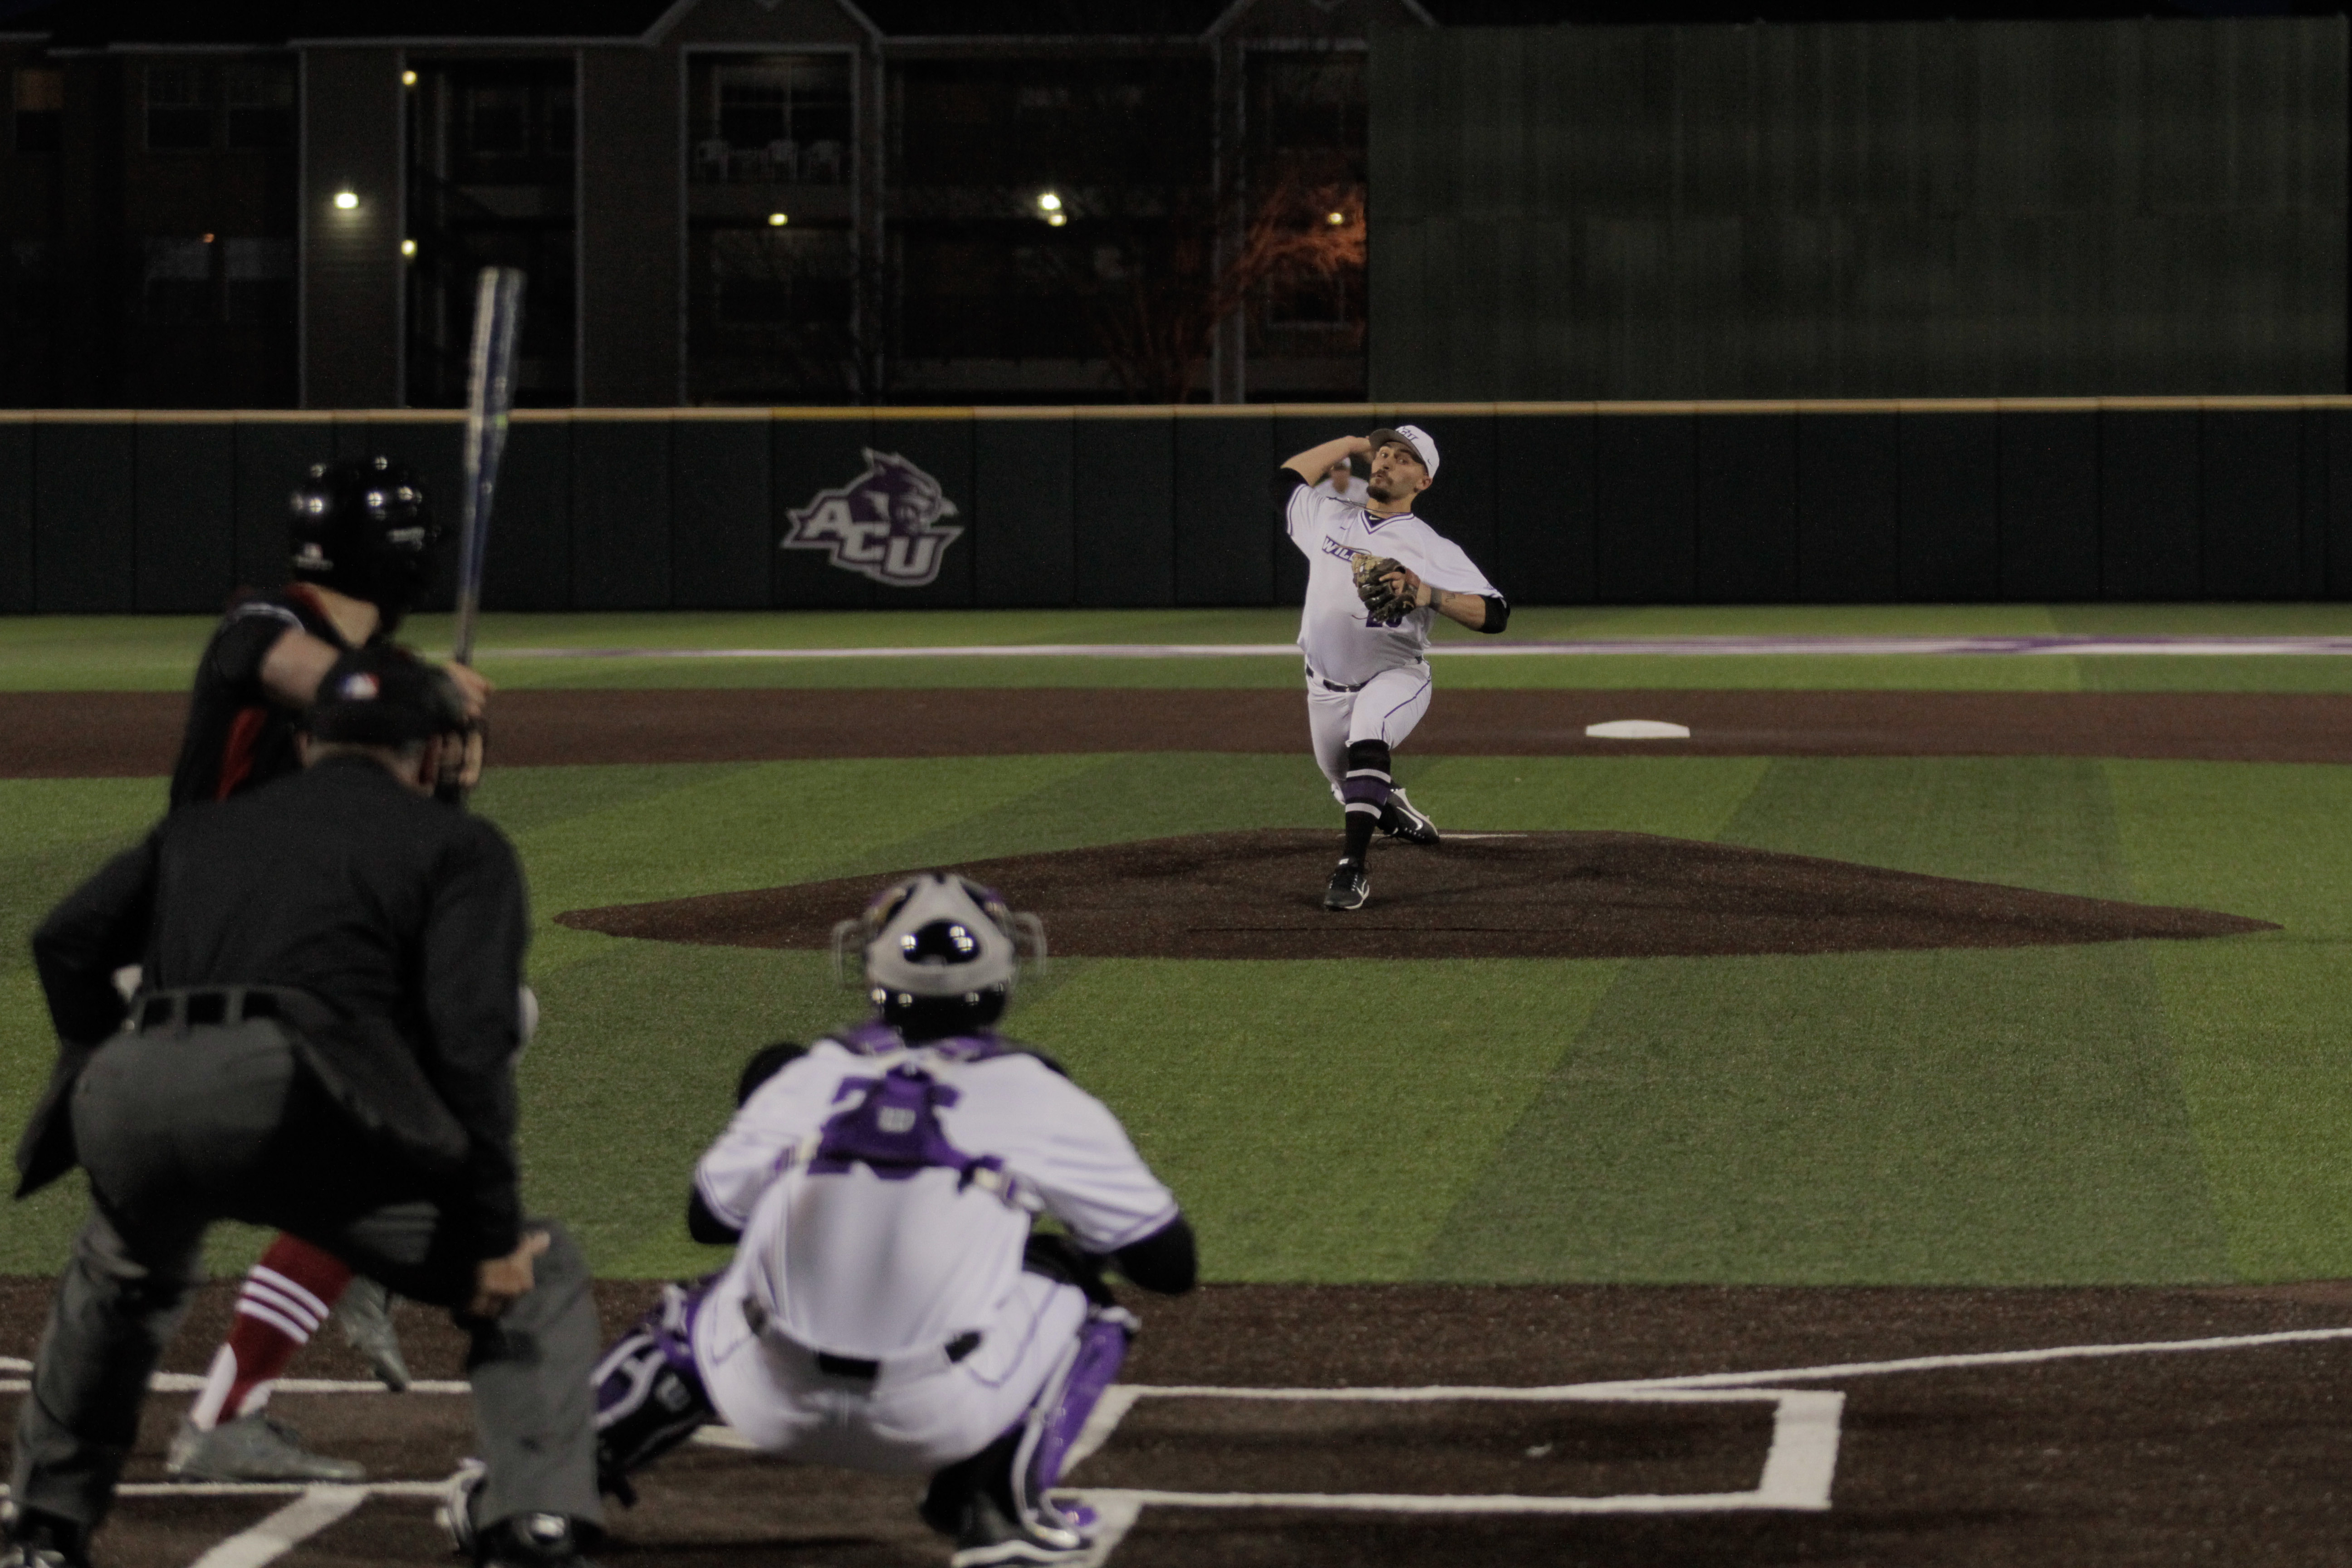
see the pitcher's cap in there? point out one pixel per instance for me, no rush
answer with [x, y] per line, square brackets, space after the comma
[1414, 439]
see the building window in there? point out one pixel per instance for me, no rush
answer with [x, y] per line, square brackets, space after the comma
[178, 120]
[40, 110]
[177, 283]
[512, 125]
[773, 119]
[260, 279]
[260, 106]
[765, 277]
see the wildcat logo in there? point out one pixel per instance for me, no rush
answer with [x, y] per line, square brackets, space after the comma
[883, 524]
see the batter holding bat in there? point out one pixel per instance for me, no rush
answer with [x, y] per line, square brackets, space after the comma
[1377, 576]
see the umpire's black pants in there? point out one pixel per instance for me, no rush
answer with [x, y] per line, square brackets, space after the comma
[177, 1132]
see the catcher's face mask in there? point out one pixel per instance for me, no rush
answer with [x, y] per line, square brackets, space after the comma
[939, 935]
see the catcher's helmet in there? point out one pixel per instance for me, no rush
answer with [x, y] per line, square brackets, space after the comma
[940, 954]
[363, 527]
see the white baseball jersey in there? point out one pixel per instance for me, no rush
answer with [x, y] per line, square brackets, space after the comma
[885, 1191]
[1341, 643]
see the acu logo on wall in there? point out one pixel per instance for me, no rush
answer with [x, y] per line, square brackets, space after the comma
[883, 524]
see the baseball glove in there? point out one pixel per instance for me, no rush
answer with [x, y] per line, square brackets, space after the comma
[1383, 600]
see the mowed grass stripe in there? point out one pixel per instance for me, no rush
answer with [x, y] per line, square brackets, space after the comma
[1994, 1117]
[2260, 1025]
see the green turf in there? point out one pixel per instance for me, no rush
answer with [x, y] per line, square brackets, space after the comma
[2146, 1111]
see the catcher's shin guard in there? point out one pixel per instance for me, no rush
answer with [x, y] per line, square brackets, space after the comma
[998, 1496]
[650, 1397]
[1070, 1397]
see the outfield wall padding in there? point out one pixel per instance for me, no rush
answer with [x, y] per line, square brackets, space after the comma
[2139, 498]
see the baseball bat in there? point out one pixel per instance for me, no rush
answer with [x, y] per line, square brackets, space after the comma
[490, 399]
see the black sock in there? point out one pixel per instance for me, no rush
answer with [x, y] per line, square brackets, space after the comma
[1365, 793]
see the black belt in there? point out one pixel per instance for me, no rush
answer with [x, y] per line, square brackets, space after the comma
[1333, 685]
[865, 1371]
[188, 1009]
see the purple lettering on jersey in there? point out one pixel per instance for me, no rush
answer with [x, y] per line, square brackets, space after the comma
[891, 1126]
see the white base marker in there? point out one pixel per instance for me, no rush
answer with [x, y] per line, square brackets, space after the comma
[1638, 729]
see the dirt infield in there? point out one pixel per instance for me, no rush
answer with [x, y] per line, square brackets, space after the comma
[117, 734]
[1259, 894]
[2220, 1455]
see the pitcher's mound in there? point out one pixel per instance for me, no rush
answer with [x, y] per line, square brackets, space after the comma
[1533, 895]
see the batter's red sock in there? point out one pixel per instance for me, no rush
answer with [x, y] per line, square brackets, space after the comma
[286, 1297]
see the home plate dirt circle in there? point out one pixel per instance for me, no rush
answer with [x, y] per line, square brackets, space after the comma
[1259, 894]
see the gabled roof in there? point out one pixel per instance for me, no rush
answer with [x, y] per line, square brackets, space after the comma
[1043, 18]
[614, 19]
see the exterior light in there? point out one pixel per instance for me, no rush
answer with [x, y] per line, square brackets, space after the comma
[208, 239]
[408, 78]
[407, 247]
[1055, 220]
[778, 220]
[1335, 219]
[346, 200]
[1049, 203]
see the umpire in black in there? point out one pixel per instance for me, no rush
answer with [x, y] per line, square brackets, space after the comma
[331, 969]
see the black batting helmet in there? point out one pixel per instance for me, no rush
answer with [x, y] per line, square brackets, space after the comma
[363, 527]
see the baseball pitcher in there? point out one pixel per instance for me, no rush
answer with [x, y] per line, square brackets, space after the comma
[1376, 577]
[888, 1307]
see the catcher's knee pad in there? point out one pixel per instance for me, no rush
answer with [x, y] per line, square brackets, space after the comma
[1368, 784]
[650, 1397]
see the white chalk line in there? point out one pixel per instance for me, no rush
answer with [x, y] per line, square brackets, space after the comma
[191, 1383]
[1798, 1467]
[1798, 1474]
[1586, 647]
[272, 1538]
[271, 1488]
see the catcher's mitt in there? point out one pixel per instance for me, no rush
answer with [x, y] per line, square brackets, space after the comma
[1383, 600]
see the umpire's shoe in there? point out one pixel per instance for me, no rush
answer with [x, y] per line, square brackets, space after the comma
[1351, 885]
[525, 1541]
[251, 1448]
[31, 1538]
[1399, 819]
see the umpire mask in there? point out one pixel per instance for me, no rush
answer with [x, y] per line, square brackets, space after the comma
[940, 954]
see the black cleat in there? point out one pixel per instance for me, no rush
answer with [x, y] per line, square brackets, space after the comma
[1351, 885]
[525, 1541]
[991, 1538]
[31, 1538]
[1399, 820]
[998, 1518]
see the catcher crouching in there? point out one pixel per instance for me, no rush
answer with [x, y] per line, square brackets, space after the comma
[1377, 577]
[888, 1307]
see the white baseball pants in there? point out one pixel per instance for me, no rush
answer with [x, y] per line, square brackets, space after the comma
[919, 1415]
[1386, 709]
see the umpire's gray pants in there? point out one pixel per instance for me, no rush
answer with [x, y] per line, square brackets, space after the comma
[216, 1124]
